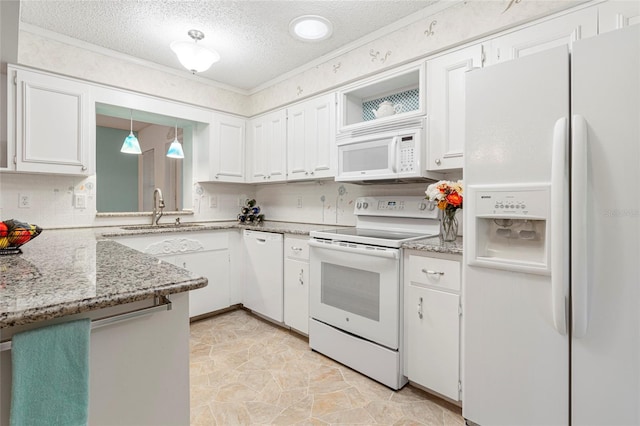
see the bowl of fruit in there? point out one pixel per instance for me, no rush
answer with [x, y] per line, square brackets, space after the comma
[14, 234]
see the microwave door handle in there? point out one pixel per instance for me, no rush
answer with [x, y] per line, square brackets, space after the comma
[394, 148]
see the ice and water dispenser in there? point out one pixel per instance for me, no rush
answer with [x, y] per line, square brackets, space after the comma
[510, 227]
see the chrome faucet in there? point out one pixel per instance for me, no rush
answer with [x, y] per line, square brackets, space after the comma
[157, 193]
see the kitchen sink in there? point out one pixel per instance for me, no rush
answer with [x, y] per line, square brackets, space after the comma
[161, 226]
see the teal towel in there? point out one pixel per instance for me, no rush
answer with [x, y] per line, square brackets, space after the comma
[51, 375]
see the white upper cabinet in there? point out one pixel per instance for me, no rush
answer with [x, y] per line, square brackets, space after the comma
[563, 30]
[227, 149]
[267, 148]
[51, 124]
[382, 100]
[446, 106]
[311, 139]
[616, 14]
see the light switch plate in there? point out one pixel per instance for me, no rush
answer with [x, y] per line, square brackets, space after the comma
[213, 202]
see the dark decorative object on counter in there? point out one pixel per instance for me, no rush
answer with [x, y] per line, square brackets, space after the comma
[14, 234]
[250, 213]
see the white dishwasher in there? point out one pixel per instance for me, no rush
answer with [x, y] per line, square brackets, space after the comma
[263, 279]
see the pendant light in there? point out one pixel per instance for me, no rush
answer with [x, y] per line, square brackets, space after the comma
[193, 56]
[131, 144]
[175, 149]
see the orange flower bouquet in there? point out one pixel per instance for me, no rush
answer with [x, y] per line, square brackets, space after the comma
[448, 197]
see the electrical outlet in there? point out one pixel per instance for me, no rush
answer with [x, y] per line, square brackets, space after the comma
[299, 202]
[24, 201]
[80, 201]
[213, 202]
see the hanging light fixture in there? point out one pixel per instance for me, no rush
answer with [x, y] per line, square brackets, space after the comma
[175, 149]
[131, 144]
[193, 56]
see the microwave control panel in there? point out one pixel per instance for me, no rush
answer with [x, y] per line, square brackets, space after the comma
[408, 154]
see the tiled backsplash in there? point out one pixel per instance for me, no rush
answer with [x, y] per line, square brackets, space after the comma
[322, 202]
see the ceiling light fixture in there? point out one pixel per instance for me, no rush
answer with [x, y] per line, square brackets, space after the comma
[175, 149]
[310, 28]
[193, 56]
[131, 144]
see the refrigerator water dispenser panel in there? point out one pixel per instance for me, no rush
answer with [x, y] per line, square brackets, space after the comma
[511, 227]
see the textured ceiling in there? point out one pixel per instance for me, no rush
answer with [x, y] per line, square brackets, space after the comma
[252, 37]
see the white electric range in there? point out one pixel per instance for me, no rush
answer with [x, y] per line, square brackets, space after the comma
[356, 285]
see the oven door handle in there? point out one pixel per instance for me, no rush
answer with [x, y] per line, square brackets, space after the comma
[389, 254]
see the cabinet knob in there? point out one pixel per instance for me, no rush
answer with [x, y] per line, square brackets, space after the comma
[264, 177]
[294, 248]
[311, 172]
[269, 177]
[306, 173]
[84, 168]
[438, 162]
[217, 176]
[420, 308]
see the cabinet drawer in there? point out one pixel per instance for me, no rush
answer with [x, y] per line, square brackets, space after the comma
[435, 272]
[296, 247]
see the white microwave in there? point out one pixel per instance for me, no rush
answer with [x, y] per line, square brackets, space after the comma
[389, 156]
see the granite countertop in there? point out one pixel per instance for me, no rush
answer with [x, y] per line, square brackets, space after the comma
[64, 272]
[270, 226]
[434, 244]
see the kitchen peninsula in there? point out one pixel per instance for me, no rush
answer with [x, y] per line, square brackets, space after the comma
[139, 356]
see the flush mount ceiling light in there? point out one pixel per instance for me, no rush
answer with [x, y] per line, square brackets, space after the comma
[131, 144]
[175, 149]
[193, 56]
[310, 28]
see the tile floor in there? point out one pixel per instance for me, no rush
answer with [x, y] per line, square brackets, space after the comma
[246, 371]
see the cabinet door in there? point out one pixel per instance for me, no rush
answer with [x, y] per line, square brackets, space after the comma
[563, 30]
[228, 149]
[296, 142]
[321, 137]
[616, 14]
[296, 295]
[446, 106]
[54, 125]
[214, 265]
[433, 339]
[267, 148]
[311, 139]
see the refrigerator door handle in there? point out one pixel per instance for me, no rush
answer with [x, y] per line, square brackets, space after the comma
[559, 225]
[579, 249]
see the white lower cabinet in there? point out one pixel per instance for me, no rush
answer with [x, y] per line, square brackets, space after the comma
[296, 283]
[432, 321]
[204, 253]
[214, 265]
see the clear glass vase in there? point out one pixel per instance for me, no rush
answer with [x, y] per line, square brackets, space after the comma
[448, 225]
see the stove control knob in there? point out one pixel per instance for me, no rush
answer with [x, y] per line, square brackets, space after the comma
[422, 206]
[365, 205]
[358, 205]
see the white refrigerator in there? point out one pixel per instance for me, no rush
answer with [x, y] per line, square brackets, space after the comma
[551, 293]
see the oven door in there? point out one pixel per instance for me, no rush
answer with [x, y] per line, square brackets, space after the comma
[356, 288]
